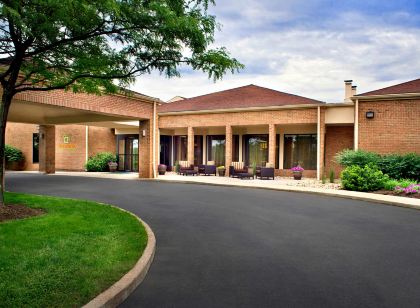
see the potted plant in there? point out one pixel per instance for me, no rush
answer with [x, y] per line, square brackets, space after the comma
[112, 165]
[162, 169]
[14, 158]
[221, 170]
[297, 172]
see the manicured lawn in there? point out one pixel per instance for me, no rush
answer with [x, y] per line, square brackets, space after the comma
[67, 256]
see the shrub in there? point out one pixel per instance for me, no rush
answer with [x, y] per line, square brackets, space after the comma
[13, 154]
[390, 184]
[332, 176]
[411, 189]
[99, 162]
[359, 158]
[367, 178]
[399, 166]
[324, 179]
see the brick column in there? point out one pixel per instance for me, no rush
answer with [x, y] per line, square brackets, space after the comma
[47, 149]
[321, 144]
[272, 144]
[145, 149]
[228, 148]
[190, 145]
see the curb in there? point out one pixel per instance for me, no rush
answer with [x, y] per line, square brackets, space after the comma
[119, 291]
[392, 200]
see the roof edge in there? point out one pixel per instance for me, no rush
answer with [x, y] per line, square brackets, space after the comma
[385, 96]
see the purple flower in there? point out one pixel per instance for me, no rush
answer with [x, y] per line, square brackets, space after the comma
[297, 169]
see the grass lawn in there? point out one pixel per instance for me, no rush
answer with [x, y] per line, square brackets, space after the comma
[67, 256]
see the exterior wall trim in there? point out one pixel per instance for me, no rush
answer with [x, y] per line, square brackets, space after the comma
[240, 109]
[386, 96]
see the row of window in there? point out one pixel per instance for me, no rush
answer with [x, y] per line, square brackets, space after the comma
[298, 149]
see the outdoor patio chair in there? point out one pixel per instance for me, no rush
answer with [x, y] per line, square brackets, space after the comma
[207, 169]
[184, 166]
[266, 173]
[236, 168]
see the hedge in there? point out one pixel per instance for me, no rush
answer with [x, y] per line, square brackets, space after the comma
[13, 154]
[397, 166]
[99, 162]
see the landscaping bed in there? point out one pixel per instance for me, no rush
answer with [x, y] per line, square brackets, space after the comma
[67, 255]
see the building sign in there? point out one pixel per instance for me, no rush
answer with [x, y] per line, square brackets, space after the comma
[67, 142]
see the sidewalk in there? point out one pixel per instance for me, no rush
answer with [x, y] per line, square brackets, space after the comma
[289, 184]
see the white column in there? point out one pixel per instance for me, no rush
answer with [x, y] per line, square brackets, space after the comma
[318, 143]
[356, 125]
[281, 149]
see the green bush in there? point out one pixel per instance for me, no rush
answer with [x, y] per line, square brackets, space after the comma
[367, 178]
[390, 184]
[99, 162]
[399, 166]
[332, 176]
[13, 154]
[359, 158]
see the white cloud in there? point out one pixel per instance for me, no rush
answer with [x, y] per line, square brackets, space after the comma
[305, 60]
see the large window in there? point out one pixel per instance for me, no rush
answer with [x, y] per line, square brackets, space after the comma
[235, 148]
[128, 152]
[198, 150]
[165, 150]
[35, 148]
[256, 149]
[300, 150]
[180, 148]
[216, 149]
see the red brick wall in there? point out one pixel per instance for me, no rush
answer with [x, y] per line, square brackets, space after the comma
[290, 116]
[70, 155]
[20, 136]
[395, 127]
[101, 139]
[110, 104]
[337, 139]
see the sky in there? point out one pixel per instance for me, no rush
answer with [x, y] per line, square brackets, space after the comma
[307, 47]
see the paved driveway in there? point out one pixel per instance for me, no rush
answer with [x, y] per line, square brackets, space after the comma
[233, 247]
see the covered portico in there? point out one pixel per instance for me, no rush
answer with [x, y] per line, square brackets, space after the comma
[281, 144]
[121, 111]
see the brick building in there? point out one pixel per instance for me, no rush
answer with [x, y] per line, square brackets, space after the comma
[249, 124]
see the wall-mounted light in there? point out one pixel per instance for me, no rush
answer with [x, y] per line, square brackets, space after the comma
[370, 115]
[143, 133]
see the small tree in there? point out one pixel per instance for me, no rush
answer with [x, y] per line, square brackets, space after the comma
[85, 46]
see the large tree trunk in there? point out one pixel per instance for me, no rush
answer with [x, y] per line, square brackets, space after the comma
[6, 100]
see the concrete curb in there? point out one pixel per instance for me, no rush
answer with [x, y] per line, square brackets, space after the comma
[376, 198]
[119, 291]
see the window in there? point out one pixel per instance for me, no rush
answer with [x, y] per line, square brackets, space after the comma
[35, 148]
[235, 148]
[216, 149]
[256, 150]
[300, 150]
[180, 148]
[198, 150]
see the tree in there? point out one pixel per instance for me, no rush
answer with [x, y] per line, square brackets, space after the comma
[99, 46]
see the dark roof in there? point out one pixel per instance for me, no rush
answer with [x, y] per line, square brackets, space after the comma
[242, 97]
[412, 86]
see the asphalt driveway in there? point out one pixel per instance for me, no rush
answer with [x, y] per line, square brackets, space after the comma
[235, 247]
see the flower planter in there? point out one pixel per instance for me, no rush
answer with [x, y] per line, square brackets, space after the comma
[221, 172]
[297, 175]
[15, 165]
[162, 169]
[112, 167]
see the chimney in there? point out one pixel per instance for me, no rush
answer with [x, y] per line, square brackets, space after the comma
[353, 90]
[348, 90]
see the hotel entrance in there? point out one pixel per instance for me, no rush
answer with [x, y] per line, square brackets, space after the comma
[128, 153]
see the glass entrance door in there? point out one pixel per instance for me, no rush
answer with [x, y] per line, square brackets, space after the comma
[128, 153]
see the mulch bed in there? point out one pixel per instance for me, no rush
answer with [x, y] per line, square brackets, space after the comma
[392, 193]
[17, 211]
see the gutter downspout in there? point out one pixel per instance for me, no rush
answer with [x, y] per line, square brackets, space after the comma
[154, 140]
[356, 125]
